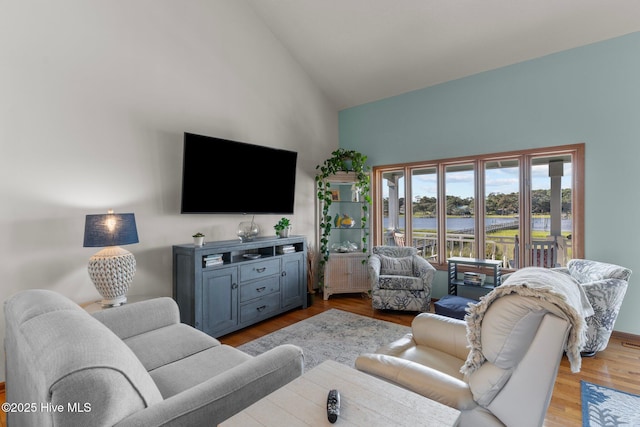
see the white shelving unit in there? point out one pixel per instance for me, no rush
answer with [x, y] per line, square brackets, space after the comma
[346, 269]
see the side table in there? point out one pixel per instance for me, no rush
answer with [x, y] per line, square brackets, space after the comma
[95, 306]
[454, 282]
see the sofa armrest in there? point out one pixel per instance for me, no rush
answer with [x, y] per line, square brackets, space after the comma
[140, 317]
[418, 378]
[219, 398]
[441, 333]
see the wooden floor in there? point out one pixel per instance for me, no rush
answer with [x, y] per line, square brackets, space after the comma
[618, 366]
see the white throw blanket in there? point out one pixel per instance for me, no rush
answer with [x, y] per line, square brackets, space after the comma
[554, 287]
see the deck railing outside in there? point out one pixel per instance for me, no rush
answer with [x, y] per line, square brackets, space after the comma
[504, 248]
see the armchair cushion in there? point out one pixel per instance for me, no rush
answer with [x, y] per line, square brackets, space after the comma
[391, 266]
[401, 282]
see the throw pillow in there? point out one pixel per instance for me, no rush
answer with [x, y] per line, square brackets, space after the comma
[390, 266]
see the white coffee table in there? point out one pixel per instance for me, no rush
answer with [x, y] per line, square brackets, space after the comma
[365, 401]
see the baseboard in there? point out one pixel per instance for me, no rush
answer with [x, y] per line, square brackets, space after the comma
[627, 340]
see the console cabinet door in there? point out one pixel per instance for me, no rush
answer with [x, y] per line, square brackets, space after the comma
[219, 300]
[292, 280]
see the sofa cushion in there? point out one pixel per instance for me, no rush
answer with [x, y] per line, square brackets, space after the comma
[392, 266]
[185, 373]
[162, 346]
[133, 319]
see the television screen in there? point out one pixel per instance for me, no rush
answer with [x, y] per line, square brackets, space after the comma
[223, 176]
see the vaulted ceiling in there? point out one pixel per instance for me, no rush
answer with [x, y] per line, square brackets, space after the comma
[359, 51]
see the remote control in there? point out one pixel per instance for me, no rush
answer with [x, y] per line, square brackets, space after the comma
[333, 406]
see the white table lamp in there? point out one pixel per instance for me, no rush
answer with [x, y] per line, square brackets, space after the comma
[111, 269]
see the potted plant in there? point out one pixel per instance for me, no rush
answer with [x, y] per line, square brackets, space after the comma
[349, 161]
[198, 239]
[283, 227]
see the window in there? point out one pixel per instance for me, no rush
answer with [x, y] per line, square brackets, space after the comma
[523, 207]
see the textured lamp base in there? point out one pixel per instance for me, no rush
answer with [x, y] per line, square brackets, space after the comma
[112, 270]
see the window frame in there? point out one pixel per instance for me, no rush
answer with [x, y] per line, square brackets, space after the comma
[576, 151]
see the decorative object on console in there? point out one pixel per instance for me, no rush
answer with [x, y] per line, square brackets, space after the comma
[112, 269]
[247, 231]
[344, 221]
[283, 227]
[198, 239]
[212, 260]
[344, 247]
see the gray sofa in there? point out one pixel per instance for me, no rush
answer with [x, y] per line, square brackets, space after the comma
[134, 365]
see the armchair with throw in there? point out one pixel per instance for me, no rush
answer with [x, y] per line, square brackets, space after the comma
[400, 279]
[605, 285]
[499, 365]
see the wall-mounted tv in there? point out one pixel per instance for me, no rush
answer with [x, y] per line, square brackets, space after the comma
[220, 176]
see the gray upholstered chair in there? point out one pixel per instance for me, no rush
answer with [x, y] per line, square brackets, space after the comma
[400, 279]
[605, 285]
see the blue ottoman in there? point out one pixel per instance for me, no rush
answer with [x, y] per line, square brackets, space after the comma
[453, 306]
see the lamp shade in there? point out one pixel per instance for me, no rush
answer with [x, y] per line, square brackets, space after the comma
[110, 229]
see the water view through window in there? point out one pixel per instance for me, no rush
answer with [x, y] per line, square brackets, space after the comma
[527, 211]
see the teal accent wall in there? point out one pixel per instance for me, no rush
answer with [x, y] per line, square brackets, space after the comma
[589, 94]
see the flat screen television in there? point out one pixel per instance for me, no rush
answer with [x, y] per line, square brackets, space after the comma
[220, 176]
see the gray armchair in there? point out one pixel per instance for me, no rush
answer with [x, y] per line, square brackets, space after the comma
[605, 285]
[400, 279]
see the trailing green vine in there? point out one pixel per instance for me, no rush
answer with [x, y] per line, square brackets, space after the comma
[348, 161]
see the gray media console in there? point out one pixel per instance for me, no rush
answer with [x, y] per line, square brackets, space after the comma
[224, 286]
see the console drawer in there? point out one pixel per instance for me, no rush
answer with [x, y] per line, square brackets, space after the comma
[260, 308]
[259, 288]
[258, 269]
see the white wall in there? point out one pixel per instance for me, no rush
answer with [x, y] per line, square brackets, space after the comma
[94, 99]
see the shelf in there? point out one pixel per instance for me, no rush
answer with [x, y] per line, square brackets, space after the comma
[233, 251]
[454, 270]
[461, 283]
